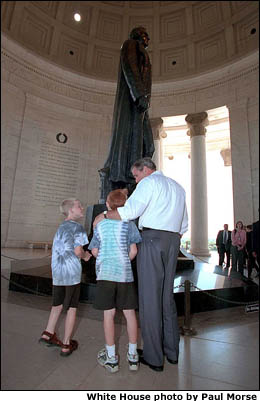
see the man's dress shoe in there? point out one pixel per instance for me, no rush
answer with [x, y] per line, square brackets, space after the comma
[153, 367]
[144, 362]
[172, 361]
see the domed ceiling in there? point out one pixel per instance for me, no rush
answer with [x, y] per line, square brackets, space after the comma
[187, 37]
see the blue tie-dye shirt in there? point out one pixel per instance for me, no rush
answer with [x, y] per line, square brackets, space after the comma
[66, 266]
[113, 239]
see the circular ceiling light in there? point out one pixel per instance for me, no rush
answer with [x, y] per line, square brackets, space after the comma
[77, 17]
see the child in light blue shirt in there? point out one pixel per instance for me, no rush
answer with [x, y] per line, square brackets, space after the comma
[114, 246]
[114, 239]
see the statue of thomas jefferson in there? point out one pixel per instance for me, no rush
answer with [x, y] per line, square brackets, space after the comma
[132, 136]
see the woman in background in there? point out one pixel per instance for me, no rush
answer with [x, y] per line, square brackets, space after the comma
[238, 238]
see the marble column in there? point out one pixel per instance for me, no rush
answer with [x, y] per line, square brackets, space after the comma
[241, 162]
[199, 199]
[157, 128]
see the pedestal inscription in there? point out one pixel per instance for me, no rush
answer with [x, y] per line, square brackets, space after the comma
[57, 174]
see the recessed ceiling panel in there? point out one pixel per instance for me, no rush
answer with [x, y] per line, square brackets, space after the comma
[187, 37]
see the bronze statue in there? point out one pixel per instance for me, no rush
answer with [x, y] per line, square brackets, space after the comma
[132, 136]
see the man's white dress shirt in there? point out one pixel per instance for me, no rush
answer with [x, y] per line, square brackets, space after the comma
[160, 202]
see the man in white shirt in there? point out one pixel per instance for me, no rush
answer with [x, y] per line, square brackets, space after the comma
[160, 204]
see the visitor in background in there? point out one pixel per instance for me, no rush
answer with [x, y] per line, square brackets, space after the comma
[250, 260]
[255, 244]
[223, 243]
[238, 237]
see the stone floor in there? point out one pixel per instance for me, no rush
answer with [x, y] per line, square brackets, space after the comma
[222, 355]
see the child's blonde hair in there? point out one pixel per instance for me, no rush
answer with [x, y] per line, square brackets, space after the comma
[66, 205]
[117, 198]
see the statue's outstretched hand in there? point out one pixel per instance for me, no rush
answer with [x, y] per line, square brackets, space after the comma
[142, 104]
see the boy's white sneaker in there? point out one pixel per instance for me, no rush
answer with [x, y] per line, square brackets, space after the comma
[111, 364]
[133, 361]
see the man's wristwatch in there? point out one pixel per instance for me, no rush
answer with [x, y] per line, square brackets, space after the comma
[105, 214]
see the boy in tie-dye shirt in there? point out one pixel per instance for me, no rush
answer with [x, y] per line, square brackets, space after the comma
[114, 246]
[67, 250]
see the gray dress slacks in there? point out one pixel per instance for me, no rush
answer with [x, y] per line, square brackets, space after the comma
[156, 267]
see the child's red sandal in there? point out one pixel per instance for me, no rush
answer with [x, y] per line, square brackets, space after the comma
[52, 341]
[72, 346]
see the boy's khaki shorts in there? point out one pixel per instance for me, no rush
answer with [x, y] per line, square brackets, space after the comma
[110, 295]
[66, 295]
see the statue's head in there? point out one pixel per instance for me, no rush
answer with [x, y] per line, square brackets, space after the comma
[141, 35]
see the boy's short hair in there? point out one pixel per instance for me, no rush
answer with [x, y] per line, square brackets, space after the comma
[117, 198]
[66, 205]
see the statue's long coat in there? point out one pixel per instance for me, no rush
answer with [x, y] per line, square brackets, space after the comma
[132, 136]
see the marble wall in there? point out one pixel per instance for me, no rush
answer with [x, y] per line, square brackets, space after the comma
[46, 171]
[41, 100]
[37, 170]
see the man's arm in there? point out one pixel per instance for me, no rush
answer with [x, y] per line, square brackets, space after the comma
[111, 214]
[217, 239]
[134, 207]
[184, 224]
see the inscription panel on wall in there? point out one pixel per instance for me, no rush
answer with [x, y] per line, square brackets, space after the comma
[57, 173]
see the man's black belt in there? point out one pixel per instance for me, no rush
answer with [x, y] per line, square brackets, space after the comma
[165, 231]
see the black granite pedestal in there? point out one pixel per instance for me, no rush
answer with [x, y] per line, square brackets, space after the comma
[211, 290]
